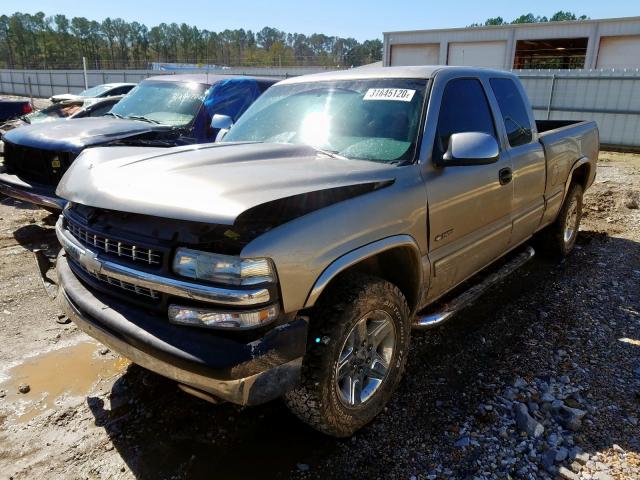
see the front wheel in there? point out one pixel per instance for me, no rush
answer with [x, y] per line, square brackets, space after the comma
[559, 238]
[357, 350]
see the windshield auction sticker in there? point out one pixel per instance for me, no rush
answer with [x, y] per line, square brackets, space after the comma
[393, 94]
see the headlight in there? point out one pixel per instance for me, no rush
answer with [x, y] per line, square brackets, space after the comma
[223, 268]
[203, 317]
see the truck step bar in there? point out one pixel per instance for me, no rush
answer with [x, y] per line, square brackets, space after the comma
[434, 316]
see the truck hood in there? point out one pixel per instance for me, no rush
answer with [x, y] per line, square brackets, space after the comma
[75, 135]
[212, 183]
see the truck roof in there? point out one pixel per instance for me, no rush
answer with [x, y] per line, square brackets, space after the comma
[427, 71]
[208, 79]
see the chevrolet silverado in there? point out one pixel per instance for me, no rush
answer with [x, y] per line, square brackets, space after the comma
[341, 211]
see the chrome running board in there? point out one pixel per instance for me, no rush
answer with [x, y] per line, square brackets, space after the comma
[443, 312]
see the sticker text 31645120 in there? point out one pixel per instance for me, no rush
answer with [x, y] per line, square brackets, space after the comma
[393, 94]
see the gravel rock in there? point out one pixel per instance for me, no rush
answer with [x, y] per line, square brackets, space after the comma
[549, 460]
[602, 476]
[463, 442]
[567, 474]
[520, 383]
[561, 454]
[631, 201]
[526, 423]
[581, 457]
[24, 388]
[572, 417]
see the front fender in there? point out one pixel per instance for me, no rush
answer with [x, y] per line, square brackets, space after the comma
[358, 255]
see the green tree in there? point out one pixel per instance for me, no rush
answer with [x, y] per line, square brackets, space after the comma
[61, 42]
[495, 21]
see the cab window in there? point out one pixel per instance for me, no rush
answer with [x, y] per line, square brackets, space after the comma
[513, 111]
[464, 108]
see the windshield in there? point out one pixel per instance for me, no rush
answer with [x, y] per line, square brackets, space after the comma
[95, 91]
[361, 119]
[54, 112]
[168, 103]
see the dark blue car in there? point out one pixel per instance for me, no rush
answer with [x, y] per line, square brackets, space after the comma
[168, 110]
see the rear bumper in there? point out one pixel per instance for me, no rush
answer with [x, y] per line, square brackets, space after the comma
[243, 373]
[12, 186]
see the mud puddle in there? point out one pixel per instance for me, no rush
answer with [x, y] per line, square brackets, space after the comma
[55, 377]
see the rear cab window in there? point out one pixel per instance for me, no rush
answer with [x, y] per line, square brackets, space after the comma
[513, 111]
[464, 108]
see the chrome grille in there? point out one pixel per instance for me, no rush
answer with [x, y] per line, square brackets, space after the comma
[130, 287]
[114, 247]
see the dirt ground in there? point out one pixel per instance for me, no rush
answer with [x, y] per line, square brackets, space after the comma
[567, 333]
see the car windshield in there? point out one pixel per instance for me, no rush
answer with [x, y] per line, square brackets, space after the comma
[360, 119]
[54, 112]
[167, 103]
[95, 91]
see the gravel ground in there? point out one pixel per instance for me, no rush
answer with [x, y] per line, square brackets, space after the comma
[539, 379]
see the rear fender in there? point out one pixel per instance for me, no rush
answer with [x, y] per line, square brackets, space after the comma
[579, 163]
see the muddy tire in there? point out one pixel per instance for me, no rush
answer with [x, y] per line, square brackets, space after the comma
[558, 239]
[356, 354]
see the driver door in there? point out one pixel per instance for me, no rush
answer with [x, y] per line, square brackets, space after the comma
[469, 206]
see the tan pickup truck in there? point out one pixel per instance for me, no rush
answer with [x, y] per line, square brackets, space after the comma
[341, 210]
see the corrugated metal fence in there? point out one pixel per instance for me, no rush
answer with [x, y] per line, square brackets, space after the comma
[612, 98]
[44, 83]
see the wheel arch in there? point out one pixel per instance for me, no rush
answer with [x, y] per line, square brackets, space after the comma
[580, 173]
[396, 259]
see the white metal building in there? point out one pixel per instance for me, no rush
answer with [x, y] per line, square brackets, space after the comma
[585, 44]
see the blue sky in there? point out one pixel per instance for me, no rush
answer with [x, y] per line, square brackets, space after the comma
[357, 18]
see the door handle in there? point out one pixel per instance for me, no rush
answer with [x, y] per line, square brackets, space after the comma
[505, 175]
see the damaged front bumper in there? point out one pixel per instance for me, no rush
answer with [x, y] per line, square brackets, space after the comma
[245, 373]
[41, 195]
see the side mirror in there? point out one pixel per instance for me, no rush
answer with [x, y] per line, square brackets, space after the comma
[221, 122]
[470, 148]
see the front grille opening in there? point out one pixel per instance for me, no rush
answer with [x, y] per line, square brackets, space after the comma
[147, 292]
[37, 165]
[115, 282]
[124, 250]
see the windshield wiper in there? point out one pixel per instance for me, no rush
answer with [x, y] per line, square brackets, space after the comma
[117, 115]
[143, 118]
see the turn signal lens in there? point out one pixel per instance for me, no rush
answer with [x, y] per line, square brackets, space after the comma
[203, 317]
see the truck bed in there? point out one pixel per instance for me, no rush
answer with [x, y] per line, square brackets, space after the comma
[565, 143]
[579, 137]
[545, 126]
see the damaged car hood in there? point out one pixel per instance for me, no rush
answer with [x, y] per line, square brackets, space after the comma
[75, 135]
[212, 183]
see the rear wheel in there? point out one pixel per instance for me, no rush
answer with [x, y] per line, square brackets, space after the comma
[358, 342]
[559, 238]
